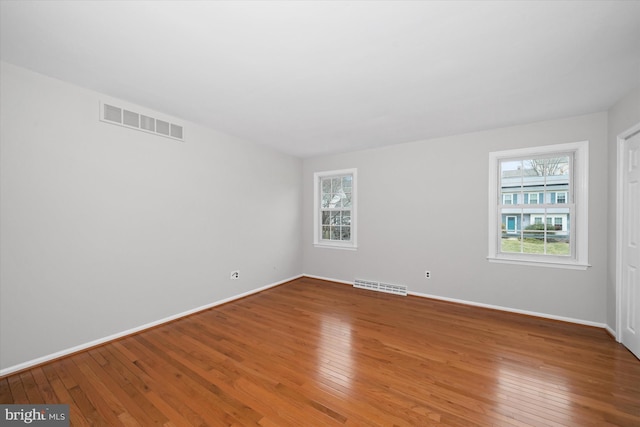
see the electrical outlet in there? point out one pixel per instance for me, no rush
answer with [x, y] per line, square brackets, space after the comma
[235, 275]
[427, 274]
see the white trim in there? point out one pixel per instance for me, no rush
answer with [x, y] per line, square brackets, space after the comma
[68, 351]
[319, 243]
[342, 247]
[580, 227]
[328, 279]
[612, 333]
[491, 306]
[541, 263]
[512, 310]
[621, 139]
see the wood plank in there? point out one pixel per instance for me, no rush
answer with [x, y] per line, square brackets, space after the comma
[6, 397]
[320, 353]
[18, 394]
[62, 395]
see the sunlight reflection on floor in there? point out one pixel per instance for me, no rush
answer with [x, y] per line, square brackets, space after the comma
[335, 352]
[517, 389]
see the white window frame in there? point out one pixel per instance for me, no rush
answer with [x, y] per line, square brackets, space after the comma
[318, 241]
[579, 221]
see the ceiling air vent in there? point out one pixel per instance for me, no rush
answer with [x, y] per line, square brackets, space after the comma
[126, 117]
[111, 113]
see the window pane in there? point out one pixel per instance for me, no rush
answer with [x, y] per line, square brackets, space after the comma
[336, 185]
[335, 218]
[339, 229]
[346, 182]
[346, 218]
[511, 170]
[511, 244]
[326, 185]
[335, 233]
[336, 201]
[346, 233]
[326, 232]
[557, 167]
[547, 167]
[326, 201]
[346, 201]
[535, 231]
[325, 218]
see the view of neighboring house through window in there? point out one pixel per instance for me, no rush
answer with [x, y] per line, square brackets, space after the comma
[334, 218]
[539, 204]
[532, 230]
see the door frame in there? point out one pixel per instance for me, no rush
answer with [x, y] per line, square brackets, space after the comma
[622, 138]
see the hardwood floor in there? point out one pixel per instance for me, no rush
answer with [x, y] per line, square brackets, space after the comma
[317, 353]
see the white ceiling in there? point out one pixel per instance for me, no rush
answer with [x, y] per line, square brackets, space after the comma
[311, 78]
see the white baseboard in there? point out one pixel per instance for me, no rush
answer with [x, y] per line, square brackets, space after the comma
[494, 307]
[612, 333]
[328, 279]
[68, 351]
[512, 310]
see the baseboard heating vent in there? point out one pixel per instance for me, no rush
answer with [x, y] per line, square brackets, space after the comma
[380, 287]
[135, 120]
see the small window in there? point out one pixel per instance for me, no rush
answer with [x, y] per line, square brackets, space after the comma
[545, 234]
[335, 209]
[561, 197]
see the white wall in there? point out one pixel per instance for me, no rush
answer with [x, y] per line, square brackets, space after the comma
[622, 116]
[423, 206]
[104, 228]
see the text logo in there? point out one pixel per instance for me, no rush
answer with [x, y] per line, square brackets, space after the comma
[36, 415]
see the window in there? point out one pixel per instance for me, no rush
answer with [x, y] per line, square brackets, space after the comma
[509, 199]
[335, 209]
[553, 233]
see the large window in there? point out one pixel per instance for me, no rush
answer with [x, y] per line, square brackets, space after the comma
[335, 209]
[538, 206]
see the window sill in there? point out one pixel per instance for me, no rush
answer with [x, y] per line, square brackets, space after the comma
[341, 247]
[536, 263]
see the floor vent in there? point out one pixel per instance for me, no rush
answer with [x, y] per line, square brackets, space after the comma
[134, 120]
[380, 287]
